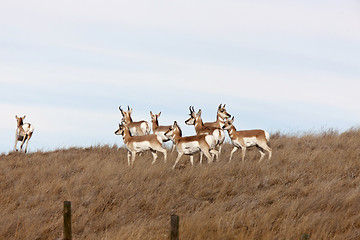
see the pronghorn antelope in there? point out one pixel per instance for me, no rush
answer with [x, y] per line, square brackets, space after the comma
[247, 138]
[192, 144]
[135, 144]
[195, 119]
[136, 128]
[159, 130]
[24, 131]
[220, 118]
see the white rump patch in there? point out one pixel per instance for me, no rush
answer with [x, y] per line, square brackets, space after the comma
[162, 136]
[219, 135]
[27, 128]
[211, 140]
[144, 127]
[133, 131]
[267, 136]
[190, 147]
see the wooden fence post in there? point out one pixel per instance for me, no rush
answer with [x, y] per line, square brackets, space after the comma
[67, 220]
[305, 236]
[174, 234]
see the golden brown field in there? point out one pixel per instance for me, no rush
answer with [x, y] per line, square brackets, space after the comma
[311, 185]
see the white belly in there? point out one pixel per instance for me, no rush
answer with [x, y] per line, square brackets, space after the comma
[251, 141]
[248, 142]
[141, 146]
[190, 147]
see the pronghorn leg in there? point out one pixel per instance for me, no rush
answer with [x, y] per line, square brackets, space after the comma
[128, 157]
[215, 153]
[220, 146]
[16, 140]
[243, 153]
[269, 151]
[27, 141]
[208, 156]
[173, 148]
[163, 151]
[201, 157]
[192, 160]
[232, 152]
[133, 158]
[22, 143]
[177, 159]
[261, 150]
[165, 155]
[267, 148]
[154, 156]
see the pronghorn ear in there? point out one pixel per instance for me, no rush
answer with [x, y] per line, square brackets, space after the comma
[175, 123]
[232, 119]
[23, 116]
[199, 112]
[224, 105]
[219, 106]
[151, 114]
[16, 117]
[159, 114]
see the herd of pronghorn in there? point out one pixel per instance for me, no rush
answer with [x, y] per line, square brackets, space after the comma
[208, 139]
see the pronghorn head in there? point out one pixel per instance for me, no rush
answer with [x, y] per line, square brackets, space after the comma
[121, 130]
[20, 120]
[194, 117]
[228, 123]
[155, 117]
[222, 112]
[126, 114]
[173, 131]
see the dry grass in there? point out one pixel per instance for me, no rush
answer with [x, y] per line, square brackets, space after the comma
[312, 185]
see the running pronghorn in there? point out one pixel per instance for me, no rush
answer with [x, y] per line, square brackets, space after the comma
[159, 130]
[136, 128]
[192, 144]
[24, 131]
[247, 138]
[195, 119]
[220, 118]
[135, 144]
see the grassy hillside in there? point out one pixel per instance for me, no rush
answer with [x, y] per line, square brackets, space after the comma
[312, 185]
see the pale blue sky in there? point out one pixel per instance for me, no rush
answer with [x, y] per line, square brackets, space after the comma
[289, 66]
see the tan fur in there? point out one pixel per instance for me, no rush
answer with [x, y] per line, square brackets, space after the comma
[139, 128]
[160, 130]
[254, 137]
[23, 135]
[136, 144]
[220, 116]
[196, 120]
[174, 132]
